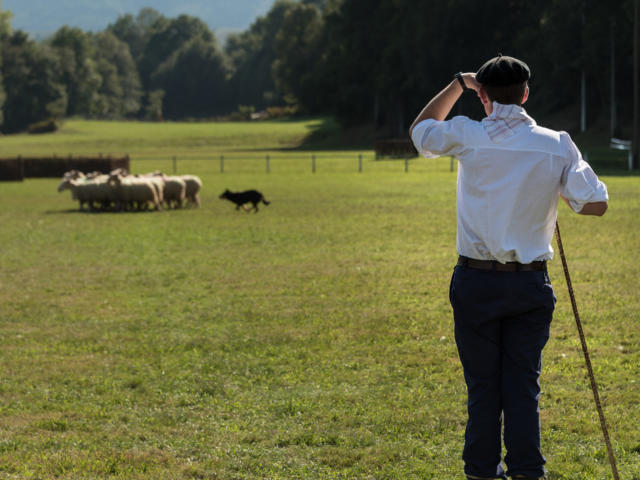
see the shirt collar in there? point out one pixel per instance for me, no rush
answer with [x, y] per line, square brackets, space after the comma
[503, 121]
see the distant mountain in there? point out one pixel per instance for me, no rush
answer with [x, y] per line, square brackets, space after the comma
[43, 17]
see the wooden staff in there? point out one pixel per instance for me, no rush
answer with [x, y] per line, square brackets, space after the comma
[583, 341]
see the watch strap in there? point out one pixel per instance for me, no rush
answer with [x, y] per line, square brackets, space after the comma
[461, 81]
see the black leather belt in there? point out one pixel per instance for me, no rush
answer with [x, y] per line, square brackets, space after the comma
[539, 266]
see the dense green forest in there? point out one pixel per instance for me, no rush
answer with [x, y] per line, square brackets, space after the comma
[369, 63]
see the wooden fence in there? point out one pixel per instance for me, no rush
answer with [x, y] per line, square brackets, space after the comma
[19, 168]
[314, 162]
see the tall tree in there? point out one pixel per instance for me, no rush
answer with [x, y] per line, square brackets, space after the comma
[354, 42]
[167, 37]
[577, 34]
[321, 4]
[5, 31]
[78, 69]
[30, 79]
[135, 31]
[193, 80]
[252, 54]
[366, 61]
[387, 57]
[298, 54]
[120, 90]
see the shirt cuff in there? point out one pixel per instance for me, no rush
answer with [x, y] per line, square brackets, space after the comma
[599, 195]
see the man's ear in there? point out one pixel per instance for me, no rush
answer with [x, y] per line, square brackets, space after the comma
[483, 96]
[526, 95]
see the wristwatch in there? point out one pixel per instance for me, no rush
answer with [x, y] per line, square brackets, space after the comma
[461, 80]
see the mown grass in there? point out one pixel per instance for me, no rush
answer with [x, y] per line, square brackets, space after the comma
[149, 139]
[312, 340]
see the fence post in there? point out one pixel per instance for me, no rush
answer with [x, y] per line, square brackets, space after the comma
[406, 164]
[268, 166]
[313, 163]
[360, 163]
[175, 165]
[451, 163]
[221, 163]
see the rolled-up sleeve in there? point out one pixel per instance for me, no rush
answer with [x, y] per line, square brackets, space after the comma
[580, 184]
[433, 138]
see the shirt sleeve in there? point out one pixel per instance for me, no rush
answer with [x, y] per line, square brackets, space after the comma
[580, 184]
[433, 138]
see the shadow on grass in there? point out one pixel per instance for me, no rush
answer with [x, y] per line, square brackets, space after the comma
[98, 212]
[329, 134]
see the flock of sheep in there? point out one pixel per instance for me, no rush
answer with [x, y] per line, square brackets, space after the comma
[119, 191]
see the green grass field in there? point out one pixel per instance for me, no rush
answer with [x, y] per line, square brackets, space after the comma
[149, 140]
[313, 340]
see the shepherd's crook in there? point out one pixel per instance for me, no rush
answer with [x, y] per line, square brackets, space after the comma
[594, 387]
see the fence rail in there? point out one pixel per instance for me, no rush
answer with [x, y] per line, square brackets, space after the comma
[607, 159]
[312, 162]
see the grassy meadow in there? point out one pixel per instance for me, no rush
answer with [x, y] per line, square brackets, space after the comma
[313, 340]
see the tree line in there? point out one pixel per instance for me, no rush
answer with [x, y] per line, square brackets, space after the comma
[366, 62]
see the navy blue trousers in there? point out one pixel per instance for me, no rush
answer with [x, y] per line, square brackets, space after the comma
[502, 324]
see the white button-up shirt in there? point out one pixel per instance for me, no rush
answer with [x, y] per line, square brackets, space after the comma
[510, 175]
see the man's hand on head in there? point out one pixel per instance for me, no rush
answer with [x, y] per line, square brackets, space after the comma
[439, 106]
[470, 81]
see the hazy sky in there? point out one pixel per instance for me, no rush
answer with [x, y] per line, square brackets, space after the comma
[41, 17]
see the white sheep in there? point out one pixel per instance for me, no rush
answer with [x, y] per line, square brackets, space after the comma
[90, 188]
[119, 171]
[193, 184]
[101, 191]
[73, 175]
[88, 191]
[158, 184]
[124, 191]
[174, 191]
[132, 191]
[69, 183]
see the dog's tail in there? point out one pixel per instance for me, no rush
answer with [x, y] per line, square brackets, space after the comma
[264, 200]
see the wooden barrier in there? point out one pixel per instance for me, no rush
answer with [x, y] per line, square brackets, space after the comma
[395, 147]
[54, 167]
[12, 169]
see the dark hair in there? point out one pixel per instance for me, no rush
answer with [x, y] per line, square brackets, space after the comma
[507, 95]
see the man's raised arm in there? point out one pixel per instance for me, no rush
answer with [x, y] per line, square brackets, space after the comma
[440, 105]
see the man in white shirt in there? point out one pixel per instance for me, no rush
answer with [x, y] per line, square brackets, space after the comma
[510, 176]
